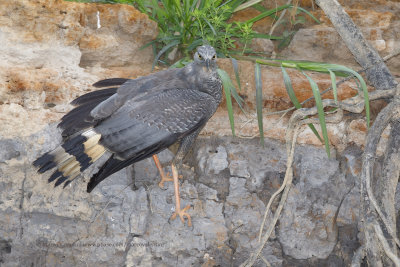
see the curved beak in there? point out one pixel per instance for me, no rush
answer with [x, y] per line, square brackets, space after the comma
[208, 61]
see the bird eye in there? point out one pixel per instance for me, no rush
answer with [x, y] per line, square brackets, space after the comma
[214, 57]
[200, 57]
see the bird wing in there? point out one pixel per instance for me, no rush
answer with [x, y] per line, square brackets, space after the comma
[132, 89]
[151, 123]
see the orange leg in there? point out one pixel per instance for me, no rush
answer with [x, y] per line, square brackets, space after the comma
[178, 211]
[164, 177]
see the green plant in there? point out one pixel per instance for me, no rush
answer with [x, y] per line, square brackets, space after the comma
[184, 25]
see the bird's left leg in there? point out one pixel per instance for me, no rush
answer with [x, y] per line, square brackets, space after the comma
[178, 211]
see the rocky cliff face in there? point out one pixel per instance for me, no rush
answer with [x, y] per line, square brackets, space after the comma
[125, 220]
[51, 51]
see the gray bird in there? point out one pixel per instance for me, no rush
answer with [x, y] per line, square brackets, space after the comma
[136, 120]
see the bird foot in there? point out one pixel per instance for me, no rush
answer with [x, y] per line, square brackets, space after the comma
[182, 214]
[166, 178]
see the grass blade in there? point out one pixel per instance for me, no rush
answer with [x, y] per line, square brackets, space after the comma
[228, 82]
[237, 97]
[227, 89]
[211, 27]
[147, 44]
[308, 13]
[247, 4]
[163, 50]
[321, 114]
[333, 79]
[181, 63]
[195, 44]
[259, 8]
[236, 70]
[259, 102]
[268, 13]
[295, 101]
[364, 89]
[289, 89]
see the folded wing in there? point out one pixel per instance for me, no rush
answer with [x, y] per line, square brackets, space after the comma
[149, 125]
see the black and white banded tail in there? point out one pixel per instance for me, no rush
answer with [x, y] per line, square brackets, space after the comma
[72, 157]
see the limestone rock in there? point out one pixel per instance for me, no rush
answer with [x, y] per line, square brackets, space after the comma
[215, 163]
[265, 46]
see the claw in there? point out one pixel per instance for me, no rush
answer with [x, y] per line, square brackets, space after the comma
[182, 214]
[178, 211]
[166, 178]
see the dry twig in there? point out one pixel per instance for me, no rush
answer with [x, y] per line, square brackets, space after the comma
[369, 202]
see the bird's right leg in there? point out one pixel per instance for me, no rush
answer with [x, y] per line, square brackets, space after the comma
[164, 177]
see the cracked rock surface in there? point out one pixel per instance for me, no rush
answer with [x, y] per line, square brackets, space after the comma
[125, 220]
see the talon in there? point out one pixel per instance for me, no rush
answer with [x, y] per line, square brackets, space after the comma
[178, 211]
[164, 178]
[182, 214]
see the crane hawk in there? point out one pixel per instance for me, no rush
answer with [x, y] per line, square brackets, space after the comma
[137, 120]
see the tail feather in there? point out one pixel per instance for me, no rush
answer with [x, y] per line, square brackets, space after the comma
[45, 162]
[110, 82]
[54, 176]
[72, 157]
[94, 96]
[49, 165]
[60, 181]
[67, 183]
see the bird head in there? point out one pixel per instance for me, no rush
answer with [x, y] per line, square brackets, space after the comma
[206, 57]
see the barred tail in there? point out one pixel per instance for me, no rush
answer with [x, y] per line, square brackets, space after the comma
[71, 158]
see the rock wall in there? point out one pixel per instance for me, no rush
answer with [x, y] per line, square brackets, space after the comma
[53, 50]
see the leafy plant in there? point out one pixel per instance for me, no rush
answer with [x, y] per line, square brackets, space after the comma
[184, 25]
